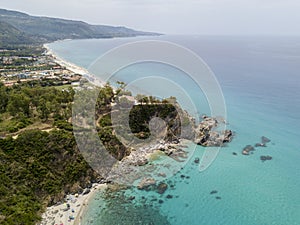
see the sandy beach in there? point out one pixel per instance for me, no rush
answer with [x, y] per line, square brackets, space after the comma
[71, 210]
[74, 68]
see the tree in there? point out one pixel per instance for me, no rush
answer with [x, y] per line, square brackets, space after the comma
[3, 98]
[140, 98]
[44, 108]
[18, 103]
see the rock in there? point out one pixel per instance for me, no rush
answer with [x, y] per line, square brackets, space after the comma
[265, 157]
[161, 188]
[207, 135]
[142, 162]
[260, 145]
[182, 176]
[86, 191]
[131, 198]
[146, 184]
[169, 196]
[197, 160]
[162, 175]
[265, 140]
[213, 192]
[227, 136]
[79, 190]
[160, 201]
[247, 149]
[139, 162]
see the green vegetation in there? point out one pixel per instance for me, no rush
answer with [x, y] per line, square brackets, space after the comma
[20, 28]
[37, 168]
[140, 116]
[27, 103]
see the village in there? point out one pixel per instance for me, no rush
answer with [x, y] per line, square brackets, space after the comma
[34, 65]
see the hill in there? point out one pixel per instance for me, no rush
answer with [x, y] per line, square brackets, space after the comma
[21, 28]
[10, 34]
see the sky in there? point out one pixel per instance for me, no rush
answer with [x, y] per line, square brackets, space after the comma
[204, 17]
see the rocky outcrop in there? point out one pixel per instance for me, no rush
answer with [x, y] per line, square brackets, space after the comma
[247, 150]
[206, 134]
[147, 184]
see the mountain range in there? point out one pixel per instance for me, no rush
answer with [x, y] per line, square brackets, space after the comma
[21, 28]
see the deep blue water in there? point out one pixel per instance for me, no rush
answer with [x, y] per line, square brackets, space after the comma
[260, 79]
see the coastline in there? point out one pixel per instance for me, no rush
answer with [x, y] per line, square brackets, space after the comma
[73, 67]
[71, 210]
[60, 214]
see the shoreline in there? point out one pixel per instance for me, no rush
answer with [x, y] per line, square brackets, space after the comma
[70, 212]
[60, 214]
[73, 67]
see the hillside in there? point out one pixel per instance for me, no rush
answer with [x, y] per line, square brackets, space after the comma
[22, 28]
[10, 34]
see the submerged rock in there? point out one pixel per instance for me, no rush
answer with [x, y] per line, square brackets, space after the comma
[265, 157]
[213, 192]
[131, 198]
[197, 160]
[265, 140]
[169, 196]
[218, 197]
[234, 153]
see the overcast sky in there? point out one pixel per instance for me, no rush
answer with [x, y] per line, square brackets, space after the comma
[224, 17]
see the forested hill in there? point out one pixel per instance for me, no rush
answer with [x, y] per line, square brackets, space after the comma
[37, 29]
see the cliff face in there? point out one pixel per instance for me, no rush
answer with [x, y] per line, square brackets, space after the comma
[177, 124]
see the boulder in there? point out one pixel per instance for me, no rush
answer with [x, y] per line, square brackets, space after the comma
[147, 184]
[86, 191]
[248, 149]
[260, 145]
[161, 188]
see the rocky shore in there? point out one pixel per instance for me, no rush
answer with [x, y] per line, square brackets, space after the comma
[207, 134]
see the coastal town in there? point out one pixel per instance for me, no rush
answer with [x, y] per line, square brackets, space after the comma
[34, 64]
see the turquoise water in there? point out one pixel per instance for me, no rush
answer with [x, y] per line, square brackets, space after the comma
[260, 79]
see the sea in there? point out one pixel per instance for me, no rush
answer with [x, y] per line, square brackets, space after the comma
[260, 80]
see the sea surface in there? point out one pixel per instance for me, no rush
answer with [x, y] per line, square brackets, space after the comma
[260, 80]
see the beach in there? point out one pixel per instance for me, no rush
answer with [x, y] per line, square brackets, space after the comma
[71, 210]
[72, 67]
